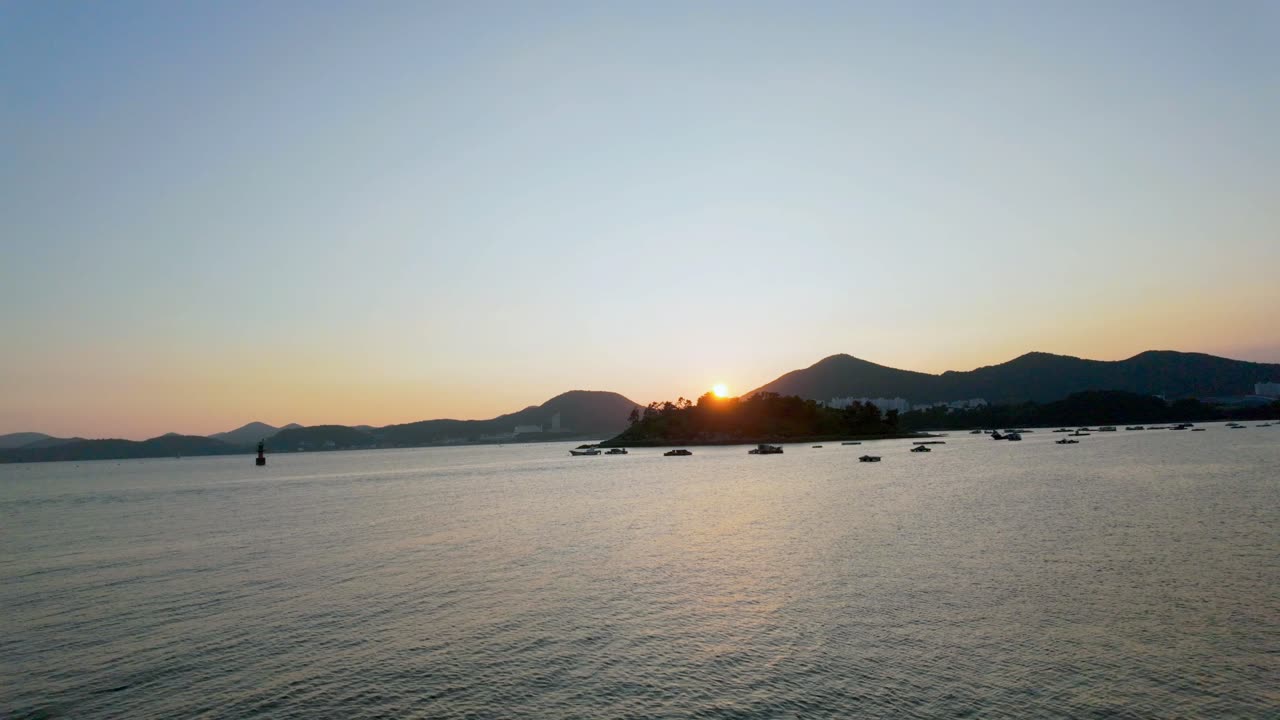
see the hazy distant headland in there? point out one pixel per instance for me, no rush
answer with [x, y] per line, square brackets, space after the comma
[574, 415]
[806, 404]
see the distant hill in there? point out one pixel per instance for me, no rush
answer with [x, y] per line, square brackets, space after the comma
[251, 433]
[163, 446]
[845, 375]
[51, 442]
[583, 413]
[31, 439]
[319, 437]
[18, 439]
[1038, 377]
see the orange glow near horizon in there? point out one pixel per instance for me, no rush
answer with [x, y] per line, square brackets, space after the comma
[720, 390]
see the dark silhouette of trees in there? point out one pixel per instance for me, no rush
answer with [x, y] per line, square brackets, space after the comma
[763, 417]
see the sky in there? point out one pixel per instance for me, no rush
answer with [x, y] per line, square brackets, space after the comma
[217, 212]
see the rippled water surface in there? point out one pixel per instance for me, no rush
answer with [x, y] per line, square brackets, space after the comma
[1136, 574]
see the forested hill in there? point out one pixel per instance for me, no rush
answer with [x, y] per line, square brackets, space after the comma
[1039, 377]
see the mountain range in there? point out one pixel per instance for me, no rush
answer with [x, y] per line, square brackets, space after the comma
[582, 413]
[251, 433]
[1038, 377]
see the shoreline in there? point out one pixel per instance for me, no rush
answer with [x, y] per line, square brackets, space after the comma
[615, 442]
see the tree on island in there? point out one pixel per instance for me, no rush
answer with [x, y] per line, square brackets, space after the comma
[764, 417]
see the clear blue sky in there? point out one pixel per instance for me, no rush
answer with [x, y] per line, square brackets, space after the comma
[377, 212]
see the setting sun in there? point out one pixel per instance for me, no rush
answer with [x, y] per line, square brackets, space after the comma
[720, 390]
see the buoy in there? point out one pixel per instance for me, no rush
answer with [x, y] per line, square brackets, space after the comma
[262, 459]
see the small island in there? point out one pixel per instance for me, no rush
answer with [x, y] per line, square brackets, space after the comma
[762, 418]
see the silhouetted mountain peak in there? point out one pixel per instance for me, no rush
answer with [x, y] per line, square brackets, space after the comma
[844, 360]
[18, 439]
[1038, 376]
[250, 433]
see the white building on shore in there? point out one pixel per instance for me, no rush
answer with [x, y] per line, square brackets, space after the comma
[902, 405]
[885, 404]
[1267, 389]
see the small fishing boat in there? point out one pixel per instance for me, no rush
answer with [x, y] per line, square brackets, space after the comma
[1066, 441]
[1080, 434]
[869, 458]
[817, 447]
[1013, 436]
[854, 442]
[588, 451]
[975, 432]
[930, 442]
[763, 449]
[1197, 429]
[995, 435]
[676, 453]
[616, 451]
[921, 448]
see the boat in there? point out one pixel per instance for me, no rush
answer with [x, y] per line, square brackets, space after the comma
[588, 451]
[995, 435]
[1135, 427]
[817, 447]
[616, 451]
[1107, 428]
[921, 448]
[1063, 430]
[975, 432]
[676, 453]
[763, 449]
[1013, 436]
[930, 442]
[852, 442]
[1080, 434]
[1066, 441]
[1197, 429]
[869, 458]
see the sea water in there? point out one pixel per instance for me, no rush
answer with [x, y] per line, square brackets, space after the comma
[1136, 574]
